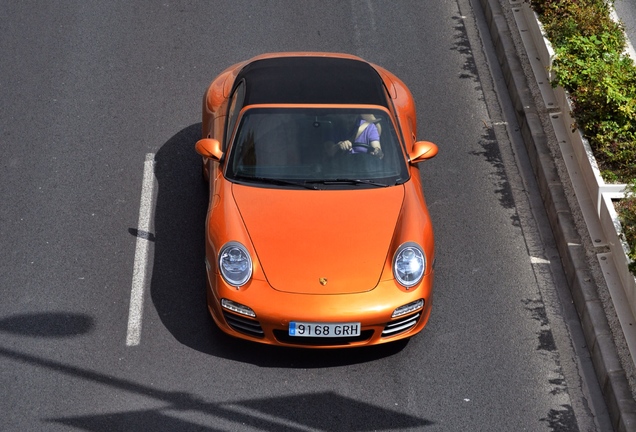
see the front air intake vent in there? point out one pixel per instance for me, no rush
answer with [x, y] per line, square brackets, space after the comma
[283, 336]
[401, 325]
[243, 324]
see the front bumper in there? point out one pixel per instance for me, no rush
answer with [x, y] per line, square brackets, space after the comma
[274, 310]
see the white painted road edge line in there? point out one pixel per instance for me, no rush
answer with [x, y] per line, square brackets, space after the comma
[135, 312]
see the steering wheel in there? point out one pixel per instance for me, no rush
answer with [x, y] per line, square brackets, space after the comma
[371, 151]
[369, 148]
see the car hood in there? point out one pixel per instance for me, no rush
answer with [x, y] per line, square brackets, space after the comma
[320, 242]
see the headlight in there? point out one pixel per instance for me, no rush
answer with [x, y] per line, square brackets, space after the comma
[235, 264]
[409, 264]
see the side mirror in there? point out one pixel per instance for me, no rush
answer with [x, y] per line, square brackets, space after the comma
[422, 150]
[209, 148]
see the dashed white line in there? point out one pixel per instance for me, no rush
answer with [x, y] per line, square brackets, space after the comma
[135, 312]
[536, 260]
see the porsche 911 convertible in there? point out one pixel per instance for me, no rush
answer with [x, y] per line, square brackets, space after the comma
[317, 231]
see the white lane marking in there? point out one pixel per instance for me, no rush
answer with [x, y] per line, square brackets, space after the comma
[536, 260]
[135, 312]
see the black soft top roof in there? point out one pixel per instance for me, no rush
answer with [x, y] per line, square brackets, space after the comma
[312, 80]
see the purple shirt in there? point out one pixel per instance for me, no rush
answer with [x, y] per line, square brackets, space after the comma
[369, 134]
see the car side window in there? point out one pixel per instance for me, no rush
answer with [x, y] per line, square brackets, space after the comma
[236, 103]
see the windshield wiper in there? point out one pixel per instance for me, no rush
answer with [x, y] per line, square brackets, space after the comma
[277, 181]
[349, 181]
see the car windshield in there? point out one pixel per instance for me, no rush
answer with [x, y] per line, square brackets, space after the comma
[316, 148]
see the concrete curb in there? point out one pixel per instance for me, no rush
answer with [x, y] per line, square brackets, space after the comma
[611, 376]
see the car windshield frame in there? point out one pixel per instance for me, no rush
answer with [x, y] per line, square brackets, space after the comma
[296, 146]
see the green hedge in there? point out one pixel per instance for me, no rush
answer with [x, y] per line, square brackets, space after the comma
[627, 212]
[589, 63]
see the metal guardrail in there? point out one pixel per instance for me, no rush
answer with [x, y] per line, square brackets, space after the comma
[593, 194]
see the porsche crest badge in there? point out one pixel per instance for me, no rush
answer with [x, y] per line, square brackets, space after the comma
[323, 281]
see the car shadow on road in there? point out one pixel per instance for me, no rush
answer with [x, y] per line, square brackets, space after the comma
[183, 411]
[178, 276]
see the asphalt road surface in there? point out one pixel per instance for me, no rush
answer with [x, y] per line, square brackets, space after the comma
[626, 12]
[93, 93]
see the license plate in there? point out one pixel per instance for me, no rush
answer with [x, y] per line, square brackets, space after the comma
[325, 330]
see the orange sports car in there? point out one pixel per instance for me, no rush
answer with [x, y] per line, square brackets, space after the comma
[317, 232]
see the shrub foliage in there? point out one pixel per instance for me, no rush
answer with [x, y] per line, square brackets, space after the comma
[591, 65]
[627, 213]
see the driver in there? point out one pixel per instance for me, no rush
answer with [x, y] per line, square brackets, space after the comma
[367, 138]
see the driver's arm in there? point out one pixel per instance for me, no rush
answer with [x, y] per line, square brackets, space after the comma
[377, 149]
[345, 145]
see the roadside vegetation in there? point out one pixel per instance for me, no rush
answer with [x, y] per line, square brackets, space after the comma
[591, 65]
[626, 209]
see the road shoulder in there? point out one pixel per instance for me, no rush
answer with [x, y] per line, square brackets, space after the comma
[612, 373]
